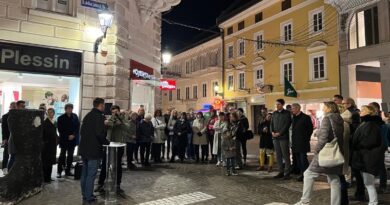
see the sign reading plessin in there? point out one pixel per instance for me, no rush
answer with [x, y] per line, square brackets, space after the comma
[39, 60]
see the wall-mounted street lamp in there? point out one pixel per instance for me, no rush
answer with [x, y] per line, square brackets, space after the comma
[105, 20]
[166, 58]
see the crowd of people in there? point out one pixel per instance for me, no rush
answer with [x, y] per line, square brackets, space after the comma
[362, 135]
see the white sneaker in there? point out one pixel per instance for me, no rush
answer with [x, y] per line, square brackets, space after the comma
[218, 164]
[5, 171]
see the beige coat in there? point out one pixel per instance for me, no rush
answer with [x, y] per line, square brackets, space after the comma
[199, 125]
[159, 130]
[220, 128]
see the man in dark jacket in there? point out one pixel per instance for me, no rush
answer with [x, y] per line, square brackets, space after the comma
[145, 138]
[302, 129]
[141, 116]
[5, 135]
[68, 127]
[280, 125]
[243, 138]
[93, 137]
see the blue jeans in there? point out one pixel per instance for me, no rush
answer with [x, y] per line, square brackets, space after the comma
[88, 176]
[230, 163]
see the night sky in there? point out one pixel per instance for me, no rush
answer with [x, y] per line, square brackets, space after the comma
[199, 13]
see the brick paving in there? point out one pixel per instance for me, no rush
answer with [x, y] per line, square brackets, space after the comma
[195, 184]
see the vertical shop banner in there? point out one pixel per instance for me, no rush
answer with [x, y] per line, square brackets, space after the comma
[139, 71]
[289, 90]
[16, 95]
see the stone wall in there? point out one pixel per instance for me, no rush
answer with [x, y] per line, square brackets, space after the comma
[106, 77]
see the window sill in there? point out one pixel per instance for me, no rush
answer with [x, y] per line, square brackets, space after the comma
[318, 81]
[53, 15]
[313, 34]
[241, 56]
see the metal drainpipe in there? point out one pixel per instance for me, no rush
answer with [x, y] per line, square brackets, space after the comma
[223, 62]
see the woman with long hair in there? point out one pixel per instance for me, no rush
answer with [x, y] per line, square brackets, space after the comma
[220, 126]
[159, 135]
[199, 128]
[332, 126]
[179, 143]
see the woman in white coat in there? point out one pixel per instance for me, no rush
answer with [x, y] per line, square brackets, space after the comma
[199, 139]
[159, 135]
[220, 126]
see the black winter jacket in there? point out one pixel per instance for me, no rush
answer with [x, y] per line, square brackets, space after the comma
[367, 145]
[280, 123]
[93, 135]
[302, 129]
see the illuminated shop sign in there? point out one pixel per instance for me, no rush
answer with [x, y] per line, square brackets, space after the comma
[167, 84]
[39, 60]
[139, 71]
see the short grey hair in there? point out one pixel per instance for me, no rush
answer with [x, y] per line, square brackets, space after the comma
[296, 105]
[148, 116]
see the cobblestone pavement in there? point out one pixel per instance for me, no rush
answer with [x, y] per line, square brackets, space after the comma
[195, 184]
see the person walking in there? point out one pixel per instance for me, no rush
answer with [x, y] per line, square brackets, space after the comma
[116, 126]
[280, 125]
[266, 145]
[220, 126]
[368, 149]
[211, 132]
[199, 128]
[332, 126]
[5, 137]
[171, 134]
[243, 137]
[159, 135]
[68, 128]
[302, 129]
[93, 137]
[145, 138]
[49, 150]
[131, 139]
[179, 143]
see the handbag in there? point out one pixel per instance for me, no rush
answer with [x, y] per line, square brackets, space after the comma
[249, 135]
[330, 155]
[163, 136]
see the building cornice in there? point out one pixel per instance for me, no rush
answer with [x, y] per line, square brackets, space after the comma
[151, 8]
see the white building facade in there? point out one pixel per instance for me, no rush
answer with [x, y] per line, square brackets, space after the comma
[47, 53]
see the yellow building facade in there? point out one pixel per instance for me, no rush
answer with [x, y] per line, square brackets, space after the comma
[270, 40]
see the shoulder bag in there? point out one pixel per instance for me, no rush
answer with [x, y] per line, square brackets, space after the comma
[330, 155]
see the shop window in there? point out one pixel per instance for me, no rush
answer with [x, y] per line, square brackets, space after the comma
[230, 52]
[286, 4]
[241, 25]
[204, 90]
[178, 97]
[195, 92]
[230, 30]
[318, 67]
[364, 30]
[286, 30]
[58, 6]
[241, 47]
[241, 81]
[258, 17]
[230, 82]
[187, 93]
[259, 41]
[170, 95]
[317, 21]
